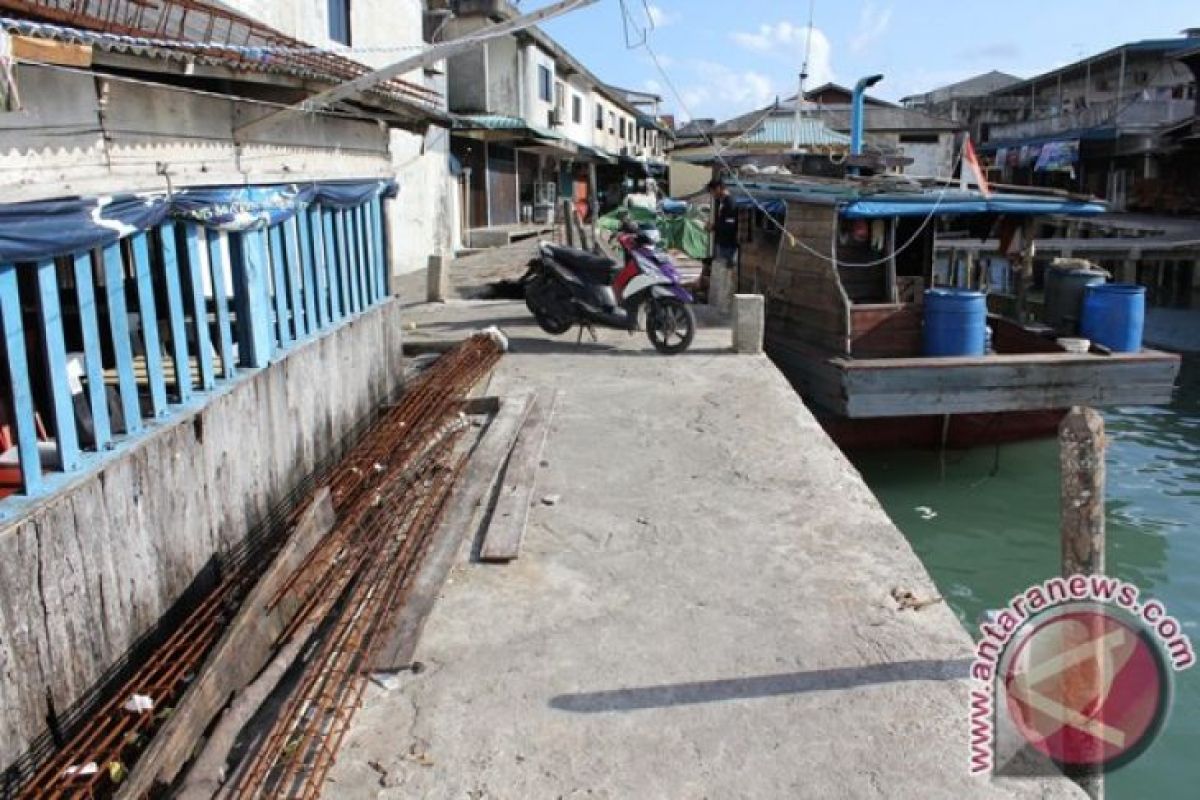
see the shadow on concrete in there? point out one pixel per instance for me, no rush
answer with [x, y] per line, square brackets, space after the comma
[471, 325]
[682, 694]
[568, 346]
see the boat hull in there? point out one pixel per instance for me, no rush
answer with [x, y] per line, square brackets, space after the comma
[954, 431]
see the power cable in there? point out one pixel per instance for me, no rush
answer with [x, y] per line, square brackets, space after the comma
[718, 153]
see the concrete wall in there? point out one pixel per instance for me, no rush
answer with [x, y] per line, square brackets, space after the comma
[373, 23]
[84, 573]
[144, 129]
[580, 132]
[505, 92]
[466, 88]
[425, 215]
[932, 159]
[537, 110]
[688, 178]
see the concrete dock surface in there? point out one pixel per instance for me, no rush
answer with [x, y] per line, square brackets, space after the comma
[704, 612]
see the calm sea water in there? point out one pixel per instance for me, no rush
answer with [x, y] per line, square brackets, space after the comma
[985, 523]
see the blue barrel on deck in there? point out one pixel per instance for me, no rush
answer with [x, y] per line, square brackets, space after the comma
[955, 323]
[1114, 315]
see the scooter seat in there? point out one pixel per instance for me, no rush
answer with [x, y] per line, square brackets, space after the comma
[589, 267]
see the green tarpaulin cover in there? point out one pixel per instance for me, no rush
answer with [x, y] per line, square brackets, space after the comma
[677, 231]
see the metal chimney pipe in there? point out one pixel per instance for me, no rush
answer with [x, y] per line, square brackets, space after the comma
[856, 112]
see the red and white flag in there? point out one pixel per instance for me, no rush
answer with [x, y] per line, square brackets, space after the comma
[972, 172]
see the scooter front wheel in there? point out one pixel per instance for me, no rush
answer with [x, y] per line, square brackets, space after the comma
[670, 325]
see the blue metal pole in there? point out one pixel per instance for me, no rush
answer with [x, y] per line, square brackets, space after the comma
[856, 114]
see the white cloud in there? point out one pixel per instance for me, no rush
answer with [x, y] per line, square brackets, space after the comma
[721, 92]
[784, 40]
[872, 25]
[658, 17]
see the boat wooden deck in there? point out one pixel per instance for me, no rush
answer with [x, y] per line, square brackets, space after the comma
[902, 387]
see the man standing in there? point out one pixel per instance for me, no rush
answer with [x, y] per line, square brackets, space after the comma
[724, 226]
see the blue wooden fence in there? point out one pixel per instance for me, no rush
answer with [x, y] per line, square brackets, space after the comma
[100, 342]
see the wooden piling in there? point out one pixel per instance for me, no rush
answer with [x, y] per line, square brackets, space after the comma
[594, 203]
[569, 222]
[1082, 444]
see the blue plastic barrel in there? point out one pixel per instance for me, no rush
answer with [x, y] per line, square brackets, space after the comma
[955, 322]
[1114, 315]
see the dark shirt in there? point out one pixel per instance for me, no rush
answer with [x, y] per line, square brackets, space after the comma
[725, 226]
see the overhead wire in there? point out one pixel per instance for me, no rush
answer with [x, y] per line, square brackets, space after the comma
[718, 153]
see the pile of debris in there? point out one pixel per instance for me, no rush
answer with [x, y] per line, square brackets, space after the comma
[316, 609]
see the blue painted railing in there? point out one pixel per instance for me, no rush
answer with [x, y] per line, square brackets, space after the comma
[97, 343]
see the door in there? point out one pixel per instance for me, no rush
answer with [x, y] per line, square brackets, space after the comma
[502, 185]
[470, 155]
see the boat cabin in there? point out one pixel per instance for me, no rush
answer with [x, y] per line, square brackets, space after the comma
[844, 267]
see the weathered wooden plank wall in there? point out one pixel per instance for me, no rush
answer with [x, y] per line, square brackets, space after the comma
[885, 331]
[805, 300]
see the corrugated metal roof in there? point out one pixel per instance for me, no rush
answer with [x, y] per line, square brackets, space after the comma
[1161, 46]
[782, 130]
[837, 118]
[199, 32]
[500, 122]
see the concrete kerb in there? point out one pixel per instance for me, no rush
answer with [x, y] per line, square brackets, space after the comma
[749, 323]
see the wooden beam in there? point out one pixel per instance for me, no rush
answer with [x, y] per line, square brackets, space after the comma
[468, 502]
[48, 51]
[506, 528]
[244, 649]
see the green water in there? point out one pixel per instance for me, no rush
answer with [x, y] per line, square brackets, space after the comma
[996, 532]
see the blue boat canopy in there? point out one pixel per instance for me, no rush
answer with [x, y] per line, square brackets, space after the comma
[865, 202]
[976, 204]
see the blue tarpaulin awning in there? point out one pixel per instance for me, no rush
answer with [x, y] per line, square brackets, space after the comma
[996, 204]
[46, 229]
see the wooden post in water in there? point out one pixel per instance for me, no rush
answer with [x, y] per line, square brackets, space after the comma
[1082, 474]
[1082, 445]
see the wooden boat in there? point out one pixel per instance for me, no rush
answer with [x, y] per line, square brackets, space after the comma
[844, 282]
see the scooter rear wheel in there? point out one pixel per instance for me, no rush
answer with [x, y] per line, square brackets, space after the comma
[545, 301]
[670, 325]
[552, 325]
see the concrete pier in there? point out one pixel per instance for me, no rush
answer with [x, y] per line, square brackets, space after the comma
[704, 611]
[749, 323]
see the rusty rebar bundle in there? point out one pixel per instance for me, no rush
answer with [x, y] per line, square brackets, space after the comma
[388, 493]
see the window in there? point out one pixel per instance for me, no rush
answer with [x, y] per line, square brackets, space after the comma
[545, 84]
[339, 21]
[599, 117]
[612, 122]
[918, 138]
[621, 128]
[577, 109]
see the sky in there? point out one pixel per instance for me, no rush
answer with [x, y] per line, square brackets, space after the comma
[721, 58]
